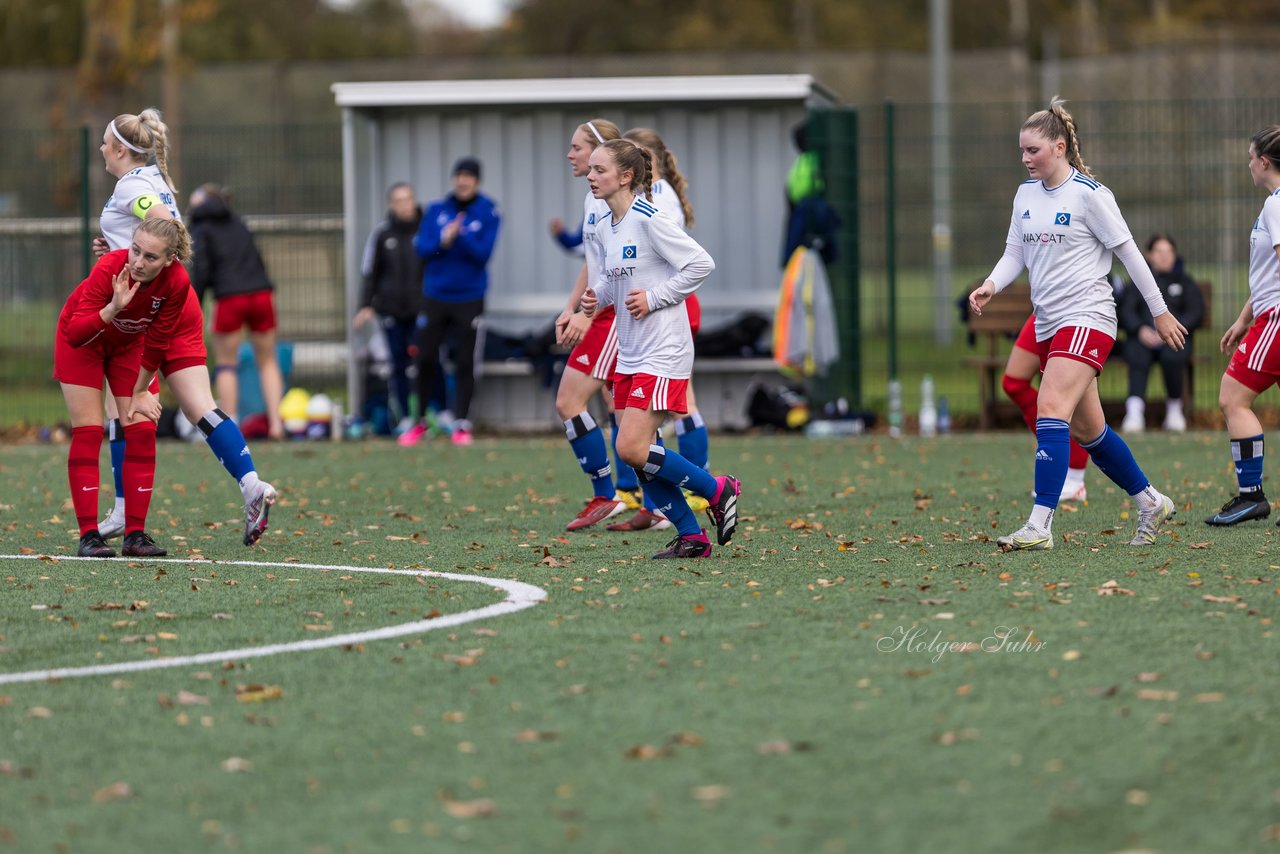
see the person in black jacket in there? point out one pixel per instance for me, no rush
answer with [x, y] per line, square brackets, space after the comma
[392, 293]
[1143, 346]
[227, 259]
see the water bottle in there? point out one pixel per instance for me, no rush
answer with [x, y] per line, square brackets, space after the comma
[895, 408]
[928, 412]
[944, 415]
[337, 422]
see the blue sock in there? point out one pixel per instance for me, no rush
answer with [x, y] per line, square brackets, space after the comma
[1053, 451]
[588, 446]
[626, 478]
[1247, 454]
[115, 438]
[227, 443]
[1113, 456]
[670, 501]
[669, 467]
[691, 432]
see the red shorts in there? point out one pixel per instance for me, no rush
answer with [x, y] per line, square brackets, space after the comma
[645, 391]
[1079, 343]
[1027, 337]
[256, 310]
[597, 353]
[1256, 362]
[695, 313]
[186, 347]
[90, 364]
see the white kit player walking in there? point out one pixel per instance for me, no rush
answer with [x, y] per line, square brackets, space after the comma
[648, 267]
[1064, 230]
[1255, 362]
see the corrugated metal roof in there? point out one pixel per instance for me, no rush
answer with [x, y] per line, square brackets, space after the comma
[593, 90]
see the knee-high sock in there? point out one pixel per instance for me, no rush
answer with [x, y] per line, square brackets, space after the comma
[115, 442]
[1113, 456]
[1053, 438]
[691, 434]
[227, 443]
[1247, 454]
[626, 475]
[1024, 396]
[82, 474]
[664, 475]
[588, 446]
[139, 473]
[668, 466]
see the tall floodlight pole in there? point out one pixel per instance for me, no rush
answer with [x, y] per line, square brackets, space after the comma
[940, 60]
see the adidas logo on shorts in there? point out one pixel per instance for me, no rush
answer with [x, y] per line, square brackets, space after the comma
[1094, 352]
[584, 359]
[1242, 347]
[638, 392]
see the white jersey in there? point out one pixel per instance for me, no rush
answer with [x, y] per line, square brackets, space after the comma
[1264, 266]
[664, 198]
[118, 217]
[594, 212]
[648, 251]
[1065, 236]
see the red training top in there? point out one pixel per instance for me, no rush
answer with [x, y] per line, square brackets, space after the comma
[154, 310]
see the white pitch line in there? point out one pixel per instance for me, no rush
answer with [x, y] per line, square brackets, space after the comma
[519, 597]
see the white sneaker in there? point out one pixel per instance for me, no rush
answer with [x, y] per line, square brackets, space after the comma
[1175, 421]
[1074, 492]
[1149, 521]
[112, 525]
[1134, 422]
[257, 504]
[1028, 538]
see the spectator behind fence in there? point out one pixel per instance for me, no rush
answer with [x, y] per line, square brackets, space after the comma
[392, 295]
[226, 259]
[456, 240]
[1143, 345]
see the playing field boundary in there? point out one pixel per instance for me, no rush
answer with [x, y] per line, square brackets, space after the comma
[519, 596]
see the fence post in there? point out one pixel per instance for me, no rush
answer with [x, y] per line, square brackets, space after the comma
[890, 239]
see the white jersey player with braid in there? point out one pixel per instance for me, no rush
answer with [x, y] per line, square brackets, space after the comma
[649, 267]
[647, 250]
[1064, 230]
[134, 194]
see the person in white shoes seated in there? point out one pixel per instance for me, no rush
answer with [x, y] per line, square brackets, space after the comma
[1144, 347]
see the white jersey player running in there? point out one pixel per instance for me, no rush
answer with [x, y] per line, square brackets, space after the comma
[648, 267]
[1064, 230]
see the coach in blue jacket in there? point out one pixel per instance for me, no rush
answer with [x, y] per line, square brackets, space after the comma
[455, 240]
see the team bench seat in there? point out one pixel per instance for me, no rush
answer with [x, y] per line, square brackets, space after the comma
[512, 397]
[1001, 320]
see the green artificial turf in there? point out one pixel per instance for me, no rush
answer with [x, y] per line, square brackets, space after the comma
[834, 680]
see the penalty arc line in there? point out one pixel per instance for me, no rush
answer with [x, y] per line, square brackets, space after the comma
[519, 596]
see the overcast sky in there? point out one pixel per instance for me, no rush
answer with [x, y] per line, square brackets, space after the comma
[478, 13]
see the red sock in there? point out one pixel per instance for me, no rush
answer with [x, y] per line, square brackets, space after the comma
[139, 473]
[1024, 394]
[1079, 456]
[82, 473]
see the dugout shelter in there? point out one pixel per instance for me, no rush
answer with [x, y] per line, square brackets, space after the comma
[731, 135]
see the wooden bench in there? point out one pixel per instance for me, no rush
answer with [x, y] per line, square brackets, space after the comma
[1003, 317]
[1001, 320]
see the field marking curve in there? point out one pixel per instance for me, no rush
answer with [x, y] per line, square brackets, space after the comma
[519, 596]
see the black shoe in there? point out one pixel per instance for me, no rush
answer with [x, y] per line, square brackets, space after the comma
[1240, 509]
[92, 545]
[724, 510]
[140, 544]
[682, 547]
